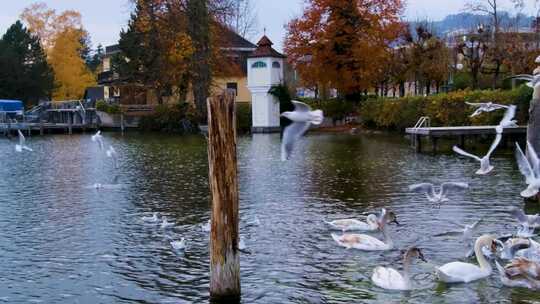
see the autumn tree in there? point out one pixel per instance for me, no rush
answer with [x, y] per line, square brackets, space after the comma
[47, 24]
[25, 73]
[428, 58]
[72, 76]
[67, 46]
[156, 50]
[346, 41]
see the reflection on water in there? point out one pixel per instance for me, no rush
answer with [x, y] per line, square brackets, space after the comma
[64, 240]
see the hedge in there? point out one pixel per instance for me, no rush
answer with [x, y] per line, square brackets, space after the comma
[447, 109]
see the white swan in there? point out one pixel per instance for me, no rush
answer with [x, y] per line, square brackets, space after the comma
[485, 166]
[529, 166]
[459, 272]
[389, 278]
[521, 272]
[352, 224]
[366, 242]
[438, 196]
[371, 223]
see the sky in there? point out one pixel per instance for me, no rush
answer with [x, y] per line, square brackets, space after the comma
[104, 18]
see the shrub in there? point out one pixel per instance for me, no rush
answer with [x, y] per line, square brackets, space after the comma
[448, 109]
[243, 117]
[107, 108]
[174, 118]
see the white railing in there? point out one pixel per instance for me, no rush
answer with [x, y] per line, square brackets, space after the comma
[423, 122]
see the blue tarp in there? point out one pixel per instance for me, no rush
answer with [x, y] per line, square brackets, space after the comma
[12, 106]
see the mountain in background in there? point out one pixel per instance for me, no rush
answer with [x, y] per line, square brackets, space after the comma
[465, 22]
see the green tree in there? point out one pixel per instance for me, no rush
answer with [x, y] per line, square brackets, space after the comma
[25, 73]
[199, 31]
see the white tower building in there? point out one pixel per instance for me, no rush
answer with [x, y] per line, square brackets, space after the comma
[265, 69]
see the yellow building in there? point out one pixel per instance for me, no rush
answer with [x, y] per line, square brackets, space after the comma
[235, 49]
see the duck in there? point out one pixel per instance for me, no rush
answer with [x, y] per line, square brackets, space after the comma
[389, 278]
[460, 272]
[521, 272]
[371, 223]
[366, 242]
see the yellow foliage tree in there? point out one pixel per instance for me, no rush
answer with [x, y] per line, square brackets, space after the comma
[72, 76]
[62, 36]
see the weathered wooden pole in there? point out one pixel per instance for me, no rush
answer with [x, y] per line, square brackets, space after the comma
[224, 254]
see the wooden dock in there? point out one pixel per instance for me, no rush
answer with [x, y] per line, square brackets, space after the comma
[434, 133]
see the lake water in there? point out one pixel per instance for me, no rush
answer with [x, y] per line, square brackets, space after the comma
[63, 241]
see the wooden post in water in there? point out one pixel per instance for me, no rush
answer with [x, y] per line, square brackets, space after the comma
[224, 254]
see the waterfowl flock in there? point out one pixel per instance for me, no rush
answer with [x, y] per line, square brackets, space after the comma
[518, 252]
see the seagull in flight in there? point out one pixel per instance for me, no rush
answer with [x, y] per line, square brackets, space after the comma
[485, 166]
[507, 120]
[99, 139]
[302, 117]
[485, 107]
[441, 195]
[526, 220]
[529, 166]
[22, 143]
[111, 152]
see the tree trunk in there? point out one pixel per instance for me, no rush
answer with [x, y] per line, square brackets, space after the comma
[222, 162]
[199, 32]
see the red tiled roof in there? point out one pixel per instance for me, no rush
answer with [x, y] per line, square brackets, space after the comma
[264, 49]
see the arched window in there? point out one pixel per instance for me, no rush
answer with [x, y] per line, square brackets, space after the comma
[258, 65]
[276, 65]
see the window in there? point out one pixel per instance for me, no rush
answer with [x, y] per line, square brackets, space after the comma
[276, 65]
[233, 86]
[258, 65]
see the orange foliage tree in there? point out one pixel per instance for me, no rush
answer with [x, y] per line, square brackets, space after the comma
[343, 43]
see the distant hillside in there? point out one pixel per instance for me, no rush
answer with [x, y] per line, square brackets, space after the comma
[468, 21]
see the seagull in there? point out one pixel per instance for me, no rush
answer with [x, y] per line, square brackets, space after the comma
[166, 224]
[99, 139]
[302, 117]
[468, 230]
[241, 244]
[441, 195]
[22, 143]
[507, 120]
[527, 221]
[179, 245]
[529, 166]
[206, 227]
[485, 166]
[532, 80]
[485, 107]
[525, 232]
[151, 219]
[111, 152]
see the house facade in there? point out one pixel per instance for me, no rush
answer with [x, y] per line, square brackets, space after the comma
[235, 50]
